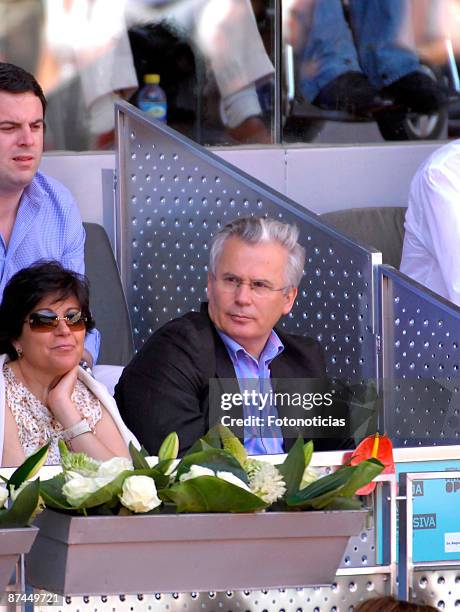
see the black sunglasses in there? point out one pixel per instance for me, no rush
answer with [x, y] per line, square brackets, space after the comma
[46, 320]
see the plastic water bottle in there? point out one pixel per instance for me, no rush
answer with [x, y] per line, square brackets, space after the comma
[152, 98]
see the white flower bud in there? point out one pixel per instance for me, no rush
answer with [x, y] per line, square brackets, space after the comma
[139, 494]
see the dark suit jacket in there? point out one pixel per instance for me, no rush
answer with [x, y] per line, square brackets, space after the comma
[165, 387]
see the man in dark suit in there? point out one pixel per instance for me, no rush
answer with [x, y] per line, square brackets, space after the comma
[254, 270]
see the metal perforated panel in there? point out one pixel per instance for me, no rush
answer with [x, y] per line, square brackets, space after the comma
[421, 336]
[439, 588]
[360, 551]
[172, 197]
[346, 592]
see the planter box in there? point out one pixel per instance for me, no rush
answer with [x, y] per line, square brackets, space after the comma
[13, 542]
[188, 552]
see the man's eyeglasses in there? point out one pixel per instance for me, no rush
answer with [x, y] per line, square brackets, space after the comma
[230, 283]
[46, 320]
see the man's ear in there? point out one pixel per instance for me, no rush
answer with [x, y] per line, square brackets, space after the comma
[208, 286]
[289, 297]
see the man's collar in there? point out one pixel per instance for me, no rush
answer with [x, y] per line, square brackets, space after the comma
[272, 348]
[274, 339]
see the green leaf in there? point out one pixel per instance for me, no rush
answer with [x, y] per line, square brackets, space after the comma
[163, 466]
[328, 492]
[321, 487]
[63, 450]
[30, 467]
[330, 500]
[211, 494]
[25, 504]
[160, 478]
[138, 458]
[210, 440]
[51, 493]
[218, 460]
[363, 474]
[293, 467]
[213, 437]
[198, 446]
[308, 452]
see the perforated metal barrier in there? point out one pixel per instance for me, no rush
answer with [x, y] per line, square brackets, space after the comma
[421, 386]
[421, 337]
[174, 195]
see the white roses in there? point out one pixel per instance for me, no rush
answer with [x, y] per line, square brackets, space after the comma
[140, 494]
[78, 488]
[112, 467]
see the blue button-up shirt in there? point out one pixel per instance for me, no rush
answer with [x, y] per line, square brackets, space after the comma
[253, 374]
[47, 226]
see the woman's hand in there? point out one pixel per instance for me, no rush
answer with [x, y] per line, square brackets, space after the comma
[60, 399]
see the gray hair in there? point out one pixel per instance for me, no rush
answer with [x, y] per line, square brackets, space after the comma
[254, 230]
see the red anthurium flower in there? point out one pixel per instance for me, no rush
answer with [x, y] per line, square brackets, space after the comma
[377, 447]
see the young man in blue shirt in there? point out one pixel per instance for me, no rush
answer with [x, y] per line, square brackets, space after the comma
[39, 218]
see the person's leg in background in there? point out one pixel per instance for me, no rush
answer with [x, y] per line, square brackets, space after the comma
[382, 31]
[330, 75]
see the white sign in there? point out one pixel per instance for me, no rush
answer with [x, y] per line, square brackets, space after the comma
[452, 542]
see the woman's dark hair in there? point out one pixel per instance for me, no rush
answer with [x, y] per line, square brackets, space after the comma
[30, 285]
[390, 604]
[16, 80]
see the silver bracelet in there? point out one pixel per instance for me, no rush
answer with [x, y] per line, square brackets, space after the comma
[76, 430]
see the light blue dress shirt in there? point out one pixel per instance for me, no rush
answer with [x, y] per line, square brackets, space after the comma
[47, 226]
[253, 374]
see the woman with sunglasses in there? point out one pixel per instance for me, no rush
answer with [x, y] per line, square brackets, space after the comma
[44, 394]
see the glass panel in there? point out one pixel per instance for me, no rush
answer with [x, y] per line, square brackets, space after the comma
[368, 70]
[214, 59]
[216, 63]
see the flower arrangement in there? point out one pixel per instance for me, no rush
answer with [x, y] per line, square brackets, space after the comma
[19, 499]
[215, 475]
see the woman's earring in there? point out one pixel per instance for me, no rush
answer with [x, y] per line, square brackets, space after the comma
[19, 351]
